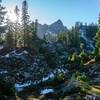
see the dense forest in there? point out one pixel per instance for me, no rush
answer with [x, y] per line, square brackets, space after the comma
[59, 66]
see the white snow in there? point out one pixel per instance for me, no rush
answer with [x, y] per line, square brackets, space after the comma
[45, 91]
[20, 87]
[51, 75]
[19, 54]
[1, 47]
[15, 54]
[7, 55]
[87, 40]
[62, 70]
[25, 52]
[91, 45]
[90, 97]
[4, 72]
[83, 35]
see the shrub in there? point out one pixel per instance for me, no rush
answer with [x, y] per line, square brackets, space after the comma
[6, 90]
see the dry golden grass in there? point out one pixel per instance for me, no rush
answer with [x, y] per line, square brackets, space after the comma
[95, 90]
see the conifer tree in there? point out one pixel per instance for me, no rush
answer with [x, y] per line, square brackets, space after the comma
[97, 39]
[9, 34]
[36, 25]
[2, 21]
[33, 29]
[75, 37]
[25, 23]
[16, 10]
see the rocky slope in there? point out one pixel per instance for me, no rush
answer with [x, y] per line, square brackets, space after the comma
[49, 74]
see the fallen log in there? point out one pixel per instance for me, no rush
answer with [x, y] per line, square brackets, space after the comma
[92, 61]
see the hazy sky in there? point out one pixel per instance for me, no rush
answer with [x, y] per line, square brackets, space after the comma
[69, 11]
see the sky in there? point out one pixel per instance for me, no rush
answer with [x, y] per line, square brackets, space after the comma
[69, 11]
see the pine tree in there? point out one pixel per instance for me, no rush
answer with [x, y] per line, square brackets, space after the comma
[2, 19]
[17, 13]
[75, 37]
[36, 25]
[25, 23]
[33, 29]
[64, 37]
[97, 39]
[16, 10]
[9, 34]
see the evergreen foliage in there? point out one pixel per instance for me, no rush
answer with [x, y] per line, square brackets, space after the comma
[97, 40]
[7, 91]
[2, 22]
[25, 23]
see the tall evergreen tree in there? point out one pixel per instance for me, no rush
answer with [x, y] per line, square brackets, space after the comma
[36, 25]
[9, 34]
[16, 10]
[74, 37]
[25, 23]
[64, 37]
[77, 36]
[33, 29]
[2, 18]
[97, 39]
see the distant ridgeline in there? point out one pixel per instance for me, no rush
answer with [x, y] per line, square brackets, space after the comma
[86, 32]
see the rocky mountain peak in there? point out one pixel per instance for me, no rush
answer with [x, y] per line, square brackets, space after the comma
[58, 22]
[55, 28]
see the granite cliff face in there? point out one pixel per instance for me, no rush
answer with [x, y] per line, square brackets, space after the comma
[55, 28]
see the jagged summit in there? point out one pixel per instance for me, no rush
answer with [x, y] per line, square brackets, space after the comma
[58, 22]
[55, 28]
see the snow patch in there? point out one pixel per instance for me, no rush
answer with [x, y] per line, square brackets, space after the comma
[13, 53]
[51, 75]
[1, 47]
[82, 35]
[4, 72]
[20, 87]
[7, 56]
[45, 91]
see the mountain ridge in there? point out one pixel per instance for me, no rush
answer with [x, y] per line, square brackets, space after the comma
[54, 28]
